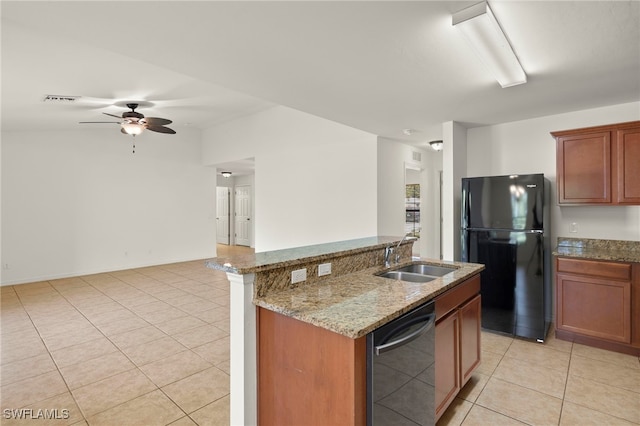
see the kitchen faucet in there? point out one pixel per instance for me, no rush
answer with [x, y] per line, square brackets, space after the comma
[397, 258]
[389, 250]
[387, 255]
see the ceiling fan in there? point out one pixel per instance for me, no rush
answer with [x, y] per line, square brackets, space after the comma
[133, 123]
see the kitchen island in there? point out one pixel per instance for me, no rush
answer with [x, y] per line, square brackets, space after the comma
[330, 314]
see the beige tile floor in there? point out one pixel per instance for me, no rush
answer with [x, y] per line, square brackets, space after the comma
[146, 346]
[552, 383]
[150, 346]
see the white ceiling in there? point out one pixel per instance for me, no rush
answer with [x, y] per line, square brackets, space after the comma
[373, 65]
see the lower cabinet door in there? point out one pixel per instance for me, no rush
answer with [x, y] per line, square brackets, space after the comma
[594, 307]
[469, 338]
[447, 362]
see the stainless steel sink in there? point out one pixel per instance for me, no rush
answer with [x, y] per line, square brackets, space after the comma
[417, 273]
[422, 269]
[406, 276]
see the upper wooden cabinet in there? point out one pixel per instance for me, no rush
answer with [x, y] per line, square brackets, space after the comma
[628, 165]
[599, 165]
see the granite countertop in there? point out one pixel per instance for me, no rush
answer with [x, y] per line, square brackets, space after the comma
[260, 262]
[355, 304]
[585, 248]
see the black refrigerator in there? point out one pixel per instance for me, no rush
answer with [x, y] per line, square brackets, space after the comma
[505, 226]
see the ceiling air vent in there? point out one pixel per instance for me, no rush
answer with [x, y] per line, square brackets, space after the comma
[60, 98]
[416, 156]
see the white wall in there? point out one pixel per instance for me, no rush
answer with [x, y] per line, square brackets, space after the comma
[527, 147]
[81, 202]
[391, 180]
[315, 180]
[431, 211]
[393, 158]
[454, 164]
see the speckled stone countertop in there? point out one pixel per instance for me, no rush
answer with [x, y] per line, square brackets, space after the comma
[265, 261]
[355, 304]
[615, 250]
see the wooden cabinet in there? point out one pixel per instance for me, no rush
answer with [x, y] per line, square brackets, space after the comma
[448, 382]
[596, 302]
[309, 375]
[599, 165]
[469, 338]
[457, 340]
[628, 165]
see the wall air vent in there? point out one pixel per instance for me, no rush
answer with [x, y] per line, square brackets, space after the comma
[60, 98]
[416, 156]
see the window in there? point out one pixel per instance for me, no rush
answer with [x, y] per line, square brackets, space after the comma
[412, 209]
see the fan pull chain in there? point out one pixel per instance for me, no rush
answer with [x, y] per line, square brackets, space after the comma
[134, 144]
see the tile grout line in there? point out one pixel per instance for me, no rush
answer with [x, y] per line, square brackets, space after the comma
[566, 384]
[475, 402]
[51, 355]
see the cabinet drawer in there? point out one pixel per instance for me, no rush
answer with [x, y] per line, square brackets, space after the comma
[455, 297]
[618, 271]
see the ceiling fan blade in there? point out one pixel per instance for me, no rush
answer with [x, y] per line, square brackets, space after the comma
[155, 121]
[122, 131]
[116, 116]
[96, 122]
[161, 129]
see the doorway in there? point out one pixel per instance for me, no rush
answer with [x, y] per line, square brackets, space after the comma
[224, 250]
[234, 202]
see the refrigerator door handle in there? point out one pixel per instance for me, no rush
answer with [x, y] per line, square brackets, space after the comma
[526, 231]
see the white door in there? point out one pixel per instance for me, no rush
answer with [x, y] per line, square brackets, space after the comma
[243, 215]
[222, 215]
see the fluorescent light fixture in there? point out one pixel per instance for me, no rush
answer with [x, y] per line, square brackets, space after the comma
[132, 129]
[482, 30]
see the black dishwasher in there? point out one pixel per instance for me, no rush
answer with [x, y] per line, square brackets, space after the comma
[401, 370]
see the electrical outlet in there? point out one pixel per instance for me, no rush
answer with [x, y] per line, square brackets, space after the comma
[573, 228]
[324, 269]
[298, 275]
[5, 266]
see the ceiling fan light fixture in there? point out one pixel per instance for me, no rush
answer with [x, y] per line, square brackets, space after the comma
[132, 129]
[480, 27]
[226, 174]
